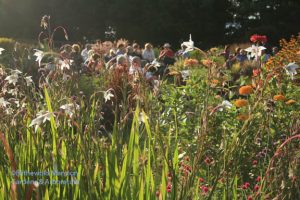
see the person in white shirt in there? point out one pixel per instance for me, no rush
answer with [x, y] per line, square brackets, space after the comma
[148, 53]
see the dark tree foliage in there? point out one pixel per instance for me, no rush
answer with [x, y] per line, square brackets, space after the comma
[157, 21]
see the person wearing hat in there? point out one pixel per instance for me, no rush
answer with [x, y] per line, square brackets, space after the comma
[166, 55]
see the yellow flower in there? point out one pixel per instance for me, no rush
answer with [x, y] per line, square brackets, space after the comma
[240, 103]
[245, 90]
[279, 97]
[242, 117]
[290, 102]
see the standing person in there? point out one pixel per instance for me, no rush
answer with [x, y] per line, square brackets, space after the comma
[136, 50]
[85, 52]
[148, 53]
[76, 57]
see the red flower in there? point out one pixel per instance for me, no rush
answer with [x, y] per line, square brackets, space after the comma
[256, 188]
[254, 162]
[169, 187]
[204, 189]
[258, 179]
[245, 186]
[207, 160]
[201, 180]
[249, 198]
[258, 38]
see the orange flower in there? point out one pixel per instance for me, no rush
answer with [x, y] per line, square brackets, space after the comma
[298, 52]
[245, 90]
[190, 62]
[242, 117]
[207, 62]
[240, 103]
[279, 97]
[290, 102]
[215, 81]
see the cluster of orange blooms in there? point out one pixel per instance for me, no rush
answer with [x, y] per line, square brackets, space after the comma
[290, 51]
[190, 62]
[207, 62]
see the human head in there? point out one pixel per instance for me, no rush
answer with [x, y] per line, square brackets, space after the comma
[136, 61]
[167, 46]
[76, 48]
[148, 46]
[121, 60]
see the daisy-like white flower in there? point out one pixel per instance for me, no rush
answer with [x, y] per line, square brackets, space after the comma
[108, 95]
[291, 69]
[180, 156]
[3, 102]
[1, 50]
[28, 80]
[41, 118]
[70, 108]
[39, 56]
[12, 79]
[255, 51]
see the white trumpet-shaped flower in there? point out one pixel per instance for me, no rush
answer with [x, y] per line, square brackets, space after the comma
[28, 80]
[255, 51]
[1, 50]
[108, 95]
[39, 56]
[13, 92]
[3, 102]
[189, 45]
[70, 108]
[12, 79]
[291, 69]
[42, 117]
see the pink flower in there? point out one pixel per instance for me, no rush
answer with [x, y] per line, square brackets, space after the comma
[256, 188]
[258, 179]
[201, 180]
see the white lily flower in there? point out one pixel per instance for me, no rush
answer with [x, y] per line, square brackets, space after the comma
[28, 80]
[13, 92]
[189, 45]
[64, 64]
[108, 95]
[1, 50]
[70, 108]
[3, 103]
[13, 72]
[255, 51]
[9, 111]
[12, 79]
[39, 56]
[41, 118]
[291, 69]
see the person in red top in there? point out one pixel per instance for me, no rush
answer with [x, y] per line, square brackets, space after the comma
[167, 56]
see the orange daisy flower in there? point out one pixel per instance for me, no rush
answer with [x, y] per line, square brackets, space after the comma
[290, 102]
[279, 97]
[241, 103]
[245, 90]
